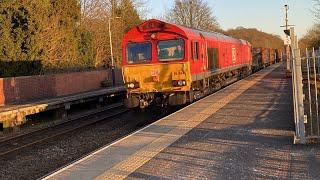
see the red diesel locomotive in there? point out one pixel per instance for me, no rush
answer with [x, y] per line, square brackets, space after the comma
[164, 63]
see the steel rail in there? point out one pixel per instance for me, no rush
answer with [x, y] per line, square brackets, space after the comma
[69, 120]
[56, 131]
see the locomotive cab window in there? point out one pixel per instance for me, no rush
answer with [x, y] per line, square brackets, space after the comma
[139, 52]
[171, 50]
[195, 50]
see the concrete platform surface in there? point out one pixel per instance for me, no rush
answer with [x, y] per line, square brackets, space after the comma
[244, 131]
[12, 115]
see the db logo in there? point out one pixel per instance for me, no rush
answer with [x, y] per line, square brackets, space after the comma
[155, 72]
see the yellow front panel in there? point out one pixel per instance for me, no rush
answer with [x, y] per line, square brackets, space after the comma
[157, 77]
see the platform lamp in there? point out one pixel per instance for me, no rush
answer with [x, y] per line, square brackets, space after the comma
[111, 52]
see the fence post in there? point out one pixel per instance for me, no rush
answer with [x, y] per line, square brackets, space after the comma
[309, 90]
[316, 87]
[318, 62]
[300, 137]
[288, 58]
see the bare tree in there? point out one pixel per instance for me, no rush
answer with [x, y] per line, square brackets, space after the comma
[312, 38]
[194, 14]
[316, 10]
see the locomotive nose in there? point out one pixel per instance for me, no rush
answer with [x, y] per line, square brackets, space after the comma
[157, 77]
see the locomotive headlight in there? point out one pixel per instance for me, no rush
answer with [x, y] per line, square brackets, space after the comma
[131, 85]
[179, 83]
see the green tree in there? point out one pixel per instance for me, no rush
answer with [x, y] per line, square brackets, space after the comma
[129, 15]
[60, 36]
[85, 49]
[64, 34]
[47, 30]
[20, 29]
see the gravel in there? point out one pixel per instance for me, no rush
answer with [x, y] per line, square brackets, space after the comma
[36, 161]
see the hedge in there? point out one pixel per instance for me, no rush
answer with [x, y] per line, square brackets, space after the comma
[20, 68]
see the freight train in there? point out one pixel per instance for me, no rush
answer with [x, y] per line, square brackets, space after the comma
[264, 57]
[167, 64]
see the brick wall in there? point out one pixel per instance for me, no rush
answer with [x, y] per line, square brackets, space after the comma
[7, 90]
[79, 82]
[1, 94]
[34, 87]
[29, 88]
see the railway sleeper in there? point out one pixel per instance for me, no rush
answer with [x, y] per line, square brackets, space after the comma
[61, 113]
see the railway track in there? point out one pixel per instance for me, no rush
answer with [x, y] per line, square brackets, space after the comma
[14, 144]
[57, 148]
[35, 161]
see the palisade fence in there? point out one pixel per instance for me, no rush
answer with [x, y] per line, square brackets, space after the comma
[306, 93]
[310, 66]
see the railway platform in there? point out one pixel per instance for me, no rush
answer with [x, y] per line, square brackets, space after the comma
[14, 115]
[244, 131]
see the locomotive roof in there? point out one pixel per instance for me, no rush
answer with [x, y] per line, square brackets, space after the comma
[216, 35]
[189, 32]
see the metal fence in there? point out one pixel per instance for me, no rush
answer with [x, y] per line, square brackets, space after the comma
[310, 67]
[306, 91]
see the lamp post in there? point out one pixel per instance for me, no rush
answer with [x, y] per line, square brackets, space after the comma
[111, 51]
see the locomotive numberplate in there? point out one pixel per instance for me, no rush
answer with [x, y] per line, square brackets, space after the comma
[178, 75]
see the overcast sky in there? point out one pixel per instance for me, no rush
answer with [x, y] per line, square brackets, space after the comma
[265, 15]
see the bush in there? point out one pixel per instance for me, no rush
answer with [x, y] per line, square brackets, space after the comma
[20, 68]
